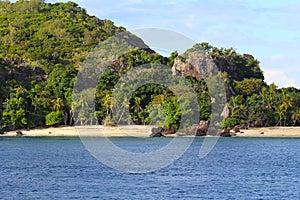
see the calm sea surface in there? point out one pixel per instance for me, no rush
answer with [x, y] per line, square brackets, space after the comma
[237, 168]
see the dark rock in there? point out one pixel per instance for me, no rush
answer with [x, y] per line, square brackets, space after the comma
[233, 134]
[2, 132]
[169, 131]
[225, 133]
[19, 133]
[236, 129]
[198, 130]
[203, 126]
[248, 56]
[157, 132]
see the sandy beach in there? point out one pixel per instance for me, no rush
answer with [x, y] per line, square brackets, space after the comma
[142, 131]
[270, 132]
[89, 131]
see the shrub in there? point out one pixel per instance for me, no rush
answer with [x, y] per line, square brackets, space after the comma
[54, 118]
[229, 122]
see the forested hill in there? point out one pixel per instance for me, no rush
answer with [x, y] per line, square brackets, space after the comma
[42, 46]
[47, 35]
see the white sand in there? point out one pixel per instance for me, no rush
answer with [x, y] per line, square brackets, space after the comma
[271, 132]
[101, 131]
[144, 131]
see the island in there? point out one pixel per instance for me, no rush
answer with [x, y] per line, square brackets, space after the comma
[43, 46]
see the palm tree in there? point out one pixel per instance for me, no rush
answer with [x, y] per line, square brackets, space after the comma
[296, 115]
[286, 101]
[137, 105]
[280, 111]
[57, 104]
[286, 104]
[125, 105]
[267, 98]
[108, 104]
[137, 109]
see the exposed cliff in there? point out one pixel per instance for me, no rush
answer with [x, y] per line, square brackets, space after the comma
[201, 62]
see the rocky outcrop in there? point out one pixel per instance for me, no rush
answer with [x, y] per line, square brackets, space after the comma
[169, 131]
[225, 133]
[161, 132]
[225, 113]
[199, 129]
[201, 65]
[236, 129]
[157, 132]
[20, 71]
[19, 133]
[197, 64]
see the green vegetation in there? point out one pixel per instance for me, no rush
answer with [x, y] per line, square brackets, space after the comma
[42, 46]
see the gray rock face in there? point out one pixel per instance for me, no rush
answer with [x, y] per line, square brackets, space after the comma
[226, 112]
[197, 64]
[202, 65]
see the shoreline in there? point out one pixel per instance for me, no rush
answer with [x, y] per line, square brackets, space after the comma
[84, 131]
[270, 132]
[143, 131]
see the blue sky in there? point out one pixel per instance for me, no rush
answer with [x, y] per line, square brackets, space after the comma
[269, 30]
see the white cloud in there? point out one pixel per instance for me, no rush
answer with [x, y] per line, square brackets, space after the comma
[277, 57]
[280, 78]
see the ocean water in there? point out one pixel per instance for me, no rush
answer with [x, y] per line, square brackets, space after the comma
[237, 168]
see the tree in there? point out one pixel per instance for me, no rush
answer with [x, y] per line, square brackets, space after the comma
[108, 105]
[57, 104]
[295, 115]
[16, 108]
[248, 86]
[282, 108]
[280, 113]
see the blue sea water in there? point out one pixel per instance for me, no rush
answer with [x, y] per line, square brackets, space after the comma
[237, 168]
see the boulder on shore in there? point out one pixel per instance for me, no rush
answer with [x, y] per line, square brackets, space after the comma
[225, 133]
[157, 132]
[195, 131]
[199, 129]
[19, 133]
[236, 129]
[161, 132]
[169, 131]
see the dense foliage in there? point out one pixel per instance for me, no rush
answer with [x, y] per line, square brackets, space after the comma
[42, 46]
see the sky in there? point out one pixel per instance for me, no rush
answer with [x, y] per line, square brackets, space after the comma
[269, 30]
